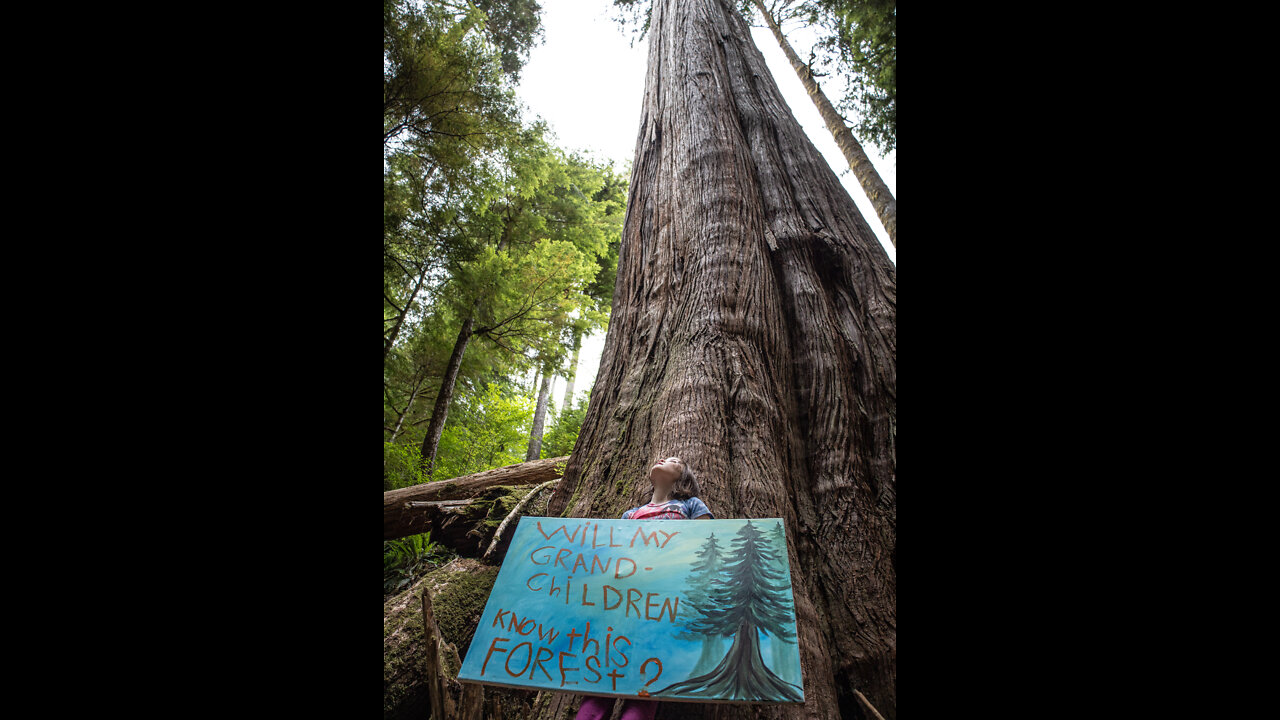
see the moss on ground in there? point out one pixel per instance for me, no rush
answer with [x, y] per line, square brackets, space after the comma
[459, 601]
[403, 672]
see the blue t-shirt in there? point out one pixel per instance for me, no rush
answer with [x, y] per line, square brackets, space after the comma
[690, 509]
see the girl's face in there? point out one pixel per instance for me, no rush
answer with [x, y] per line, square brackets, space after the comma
[665, 472]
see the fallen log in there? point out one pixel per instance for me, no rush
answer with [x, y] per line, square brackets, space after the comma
[469, 526]
[490, 554]
[400, 520]
[427, 629]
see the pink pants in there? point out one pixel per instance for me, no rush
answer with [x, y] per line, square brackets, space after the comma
[595, 707]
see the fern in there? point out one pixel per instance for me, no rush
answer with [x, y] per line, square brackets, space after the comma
[406, 559]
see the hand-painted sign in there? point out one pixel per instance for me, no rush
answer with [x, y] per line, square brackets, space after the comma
[681, 610]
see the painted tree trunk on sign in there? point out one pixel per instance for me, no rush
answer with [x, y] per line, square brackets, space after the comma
[753, 335]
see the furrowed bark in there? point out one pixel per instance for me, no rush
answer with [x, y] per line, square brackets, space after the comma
[882, 200]
[753, 335]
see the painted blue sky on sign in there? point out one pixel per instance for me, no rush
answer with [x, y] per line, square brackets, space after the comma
[664, 602]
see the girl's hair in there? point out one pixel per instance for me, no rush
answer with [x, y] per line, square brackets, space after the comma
[685, 486]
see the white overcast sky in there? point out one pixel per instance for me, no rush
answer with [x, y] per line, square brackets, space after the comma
[587, 83]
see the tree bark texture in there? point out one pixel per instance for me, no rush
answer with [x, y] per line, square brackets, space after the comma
[539, 418]
[753, 335]
[882, 200]
[399, 521]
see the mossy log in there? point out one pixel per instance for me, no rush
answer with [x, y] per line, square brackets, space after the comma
[400, 520]
[427, 629]
[468, 526]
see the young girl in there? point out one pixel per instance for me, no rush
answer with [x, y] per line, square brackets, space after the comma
[675, 496]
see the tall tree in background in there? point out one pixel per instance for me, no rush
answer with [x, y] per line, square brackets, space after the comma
[886, 206]
[571, 374]
[447, 110]
[859, 39]
[753, 333]
[539, 416]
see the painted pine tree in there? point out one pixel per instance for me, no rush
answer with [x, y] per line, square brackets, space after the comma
[703, 579]
[750, 600]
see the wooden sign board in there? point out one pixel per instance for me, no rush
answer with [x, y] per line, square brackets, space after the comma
[673, 610]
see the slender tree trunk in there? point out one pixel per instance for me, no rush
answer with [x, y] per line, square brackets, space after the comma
[877, 192]
[573, 372]
[413, 395]
[441, 411]
[753, 334]
[395, 432]
[539, 418]
[404, 311]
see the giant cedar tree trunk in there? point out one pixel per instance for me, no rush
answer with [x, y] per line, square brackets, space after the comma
[753, 335]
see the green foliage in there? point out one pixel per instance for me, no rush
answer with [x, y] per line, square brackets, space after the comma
[441, 80]
[401, 465]
[448, 109]
[484, 431]
[560, 438]
[634, 14]
[406, 559]
[514, 27]
[487, 221]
